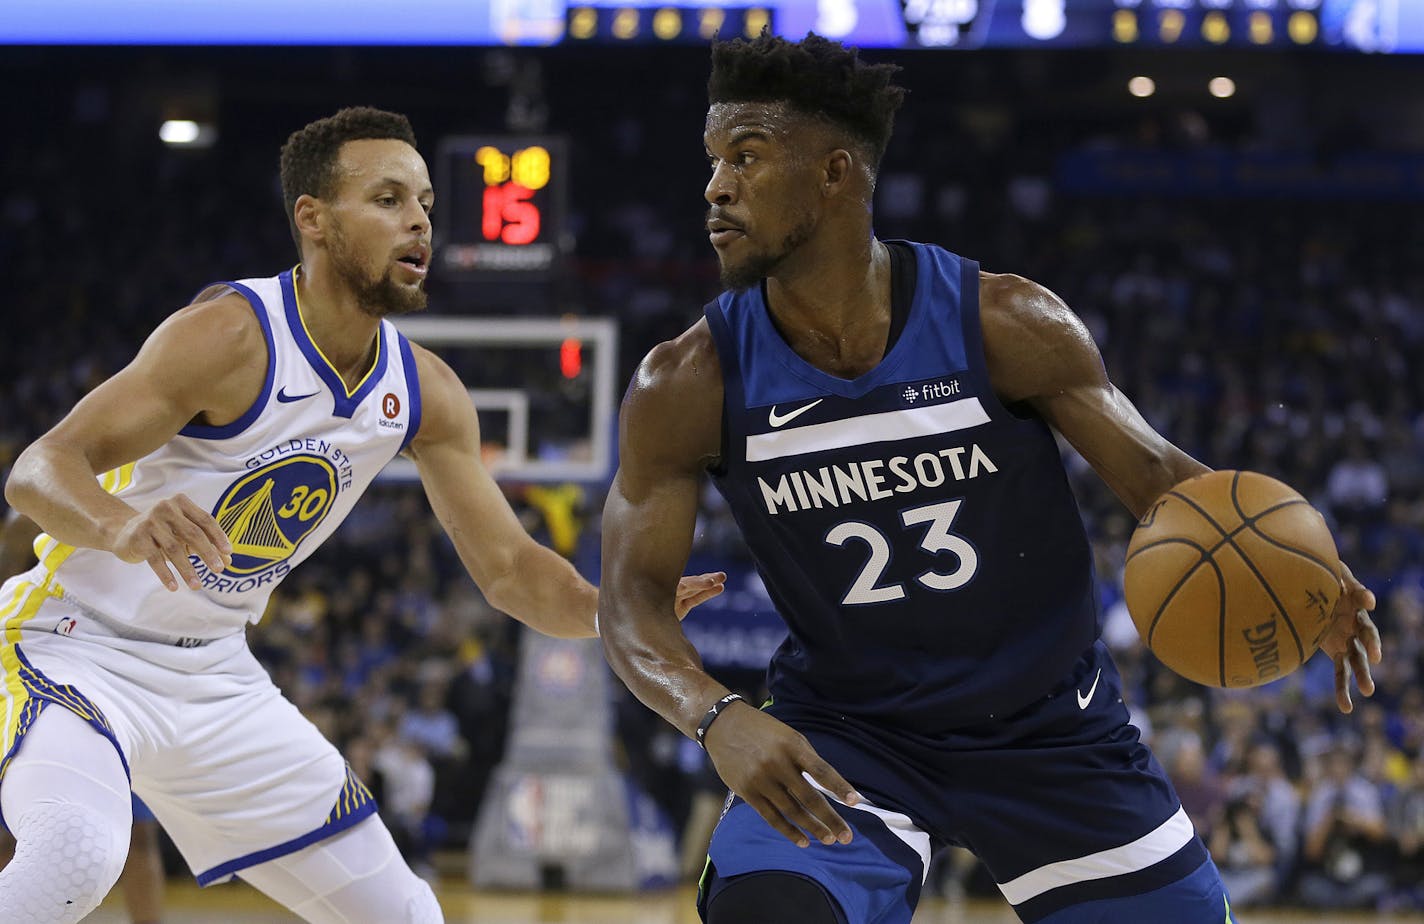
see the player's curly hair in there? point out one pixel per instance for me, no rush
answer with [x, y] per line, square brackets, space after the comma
[309, 156]
[815, 76]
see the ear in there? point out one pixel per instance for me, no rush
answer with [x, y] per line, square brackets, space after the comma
[837, 171]
[310, 217]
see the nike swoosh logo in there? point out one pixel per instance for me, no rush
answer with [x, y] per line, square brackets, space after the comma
[285, 398]
[1085, 698]
[777, 420]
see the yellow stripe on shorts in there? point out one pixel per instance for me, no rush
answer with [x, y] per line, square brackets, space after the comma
[353, 796]
[26, 600]
[24, 690]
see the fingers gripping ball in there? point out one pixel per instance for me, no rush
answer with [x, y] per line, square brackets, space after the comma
[1232, 579]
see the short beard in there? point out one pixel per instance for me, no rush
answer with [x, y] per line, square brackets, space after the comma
[384, 297]
[380, 298]
[752, 270]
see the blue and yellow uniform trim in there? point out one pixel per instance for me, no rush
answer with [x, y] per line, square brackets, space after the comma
[345, 400]
[353, 803]
[27, 691]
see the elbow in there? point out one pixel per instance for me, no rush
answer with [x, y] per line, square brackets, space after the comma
[620, 660]
[614, 638]
[499, 594]
[615, 652]
[18, 483]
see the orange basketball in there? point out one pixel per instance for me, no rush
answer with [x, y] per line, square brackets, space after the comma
[1232, 579]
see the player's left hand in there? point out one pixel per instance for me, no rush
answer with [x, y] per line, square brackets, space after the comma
[1352, 640]
[698, 588]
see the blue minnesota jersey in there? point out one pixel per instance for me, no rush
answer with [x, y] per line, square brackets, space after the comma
[919, 539]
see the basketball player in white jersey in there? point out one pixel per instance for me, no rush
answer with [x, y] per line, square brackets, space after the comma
[177, 495]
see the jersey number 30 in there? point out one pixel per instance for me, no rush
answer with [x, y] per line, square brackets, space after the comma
[866, 588]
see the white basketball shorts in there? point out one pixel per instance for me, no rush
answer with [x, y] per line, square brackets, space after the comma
[234, 773]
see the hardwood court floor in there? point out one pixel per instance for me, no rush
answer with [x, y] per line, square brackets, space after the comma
[239, 904]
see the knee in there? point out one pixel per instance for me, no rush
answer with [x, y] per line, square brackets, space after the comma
[70, 855]
[421, 907]
[87, 853]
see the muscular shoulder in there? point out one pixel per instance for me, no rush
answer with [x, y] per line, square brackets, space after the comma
[222, 328]
[436, 376]
[215, 347]
[687, 363]
[1034, 344]
[674, 403]
[446, 410]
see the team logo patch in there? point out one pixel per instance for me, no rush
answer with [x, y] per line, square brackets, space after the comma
[268, 512]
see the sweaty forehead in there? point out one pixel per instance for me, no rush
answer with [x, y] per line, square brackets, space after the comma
[726, 121]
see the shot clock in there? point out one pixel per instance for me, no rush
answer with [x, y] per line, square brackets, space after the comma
[501, 204]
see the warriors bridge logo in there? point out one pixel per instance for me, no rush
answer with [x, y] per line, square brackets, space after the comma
[268, 512]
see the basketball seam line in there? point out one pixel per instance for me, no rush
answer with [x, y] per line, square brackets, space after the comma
[1206, 556]
[1303, 553]
[1227, 538]
[1260, 578]
[1300, 552]
[1162, 607]
[1247, 523]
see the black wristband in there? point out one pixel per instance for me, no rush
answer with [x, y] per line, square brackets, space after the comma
[712, 714]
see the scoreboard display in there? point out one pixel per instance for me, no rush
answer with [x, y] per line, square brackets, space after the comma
[1347, 25]
[1363, 25]
[502, 200]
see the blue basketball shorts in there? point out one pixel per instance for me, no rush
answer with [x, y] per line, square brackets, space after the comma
[1068, 809]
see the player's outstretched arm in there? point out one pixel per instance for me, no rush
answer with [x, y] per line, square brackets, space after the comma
[1039, 352]
[517, 575]
[670, 430]
[529, 581]
[205, 362]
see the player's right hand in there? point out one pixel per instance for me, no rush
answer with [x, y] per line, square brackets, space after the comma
[167, 534]
[763, 760]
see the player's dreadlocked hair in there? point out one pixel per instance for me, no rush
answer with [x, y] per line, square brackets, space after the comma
[309, 156]
[815, 76]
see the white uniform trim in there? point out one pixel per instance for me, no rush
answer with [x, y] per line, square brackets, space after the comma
[899, 825]
[868, 428]
[1155, 846]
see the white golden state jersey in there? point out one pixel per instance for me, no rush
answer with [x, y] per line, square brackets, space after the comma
[278, 480]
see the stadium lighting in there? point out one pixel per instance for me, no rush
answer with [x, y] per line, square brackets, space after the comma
[185, 133]
[1222, 87]
[1142, 87]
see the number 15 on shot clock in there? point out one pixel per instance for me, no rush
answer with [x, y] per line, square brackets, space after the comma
[507, 197]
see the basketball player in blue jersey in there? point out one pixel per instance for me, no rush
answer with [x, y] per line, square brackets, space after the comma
[880, 417]
[173, 499]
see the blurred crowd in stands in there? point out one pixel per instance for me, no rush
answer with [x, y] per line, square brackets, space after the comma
[1278, 335]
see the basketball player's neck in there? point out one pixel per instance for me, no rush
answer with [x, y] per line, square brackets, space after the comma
[345, 334]
[834, 310]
